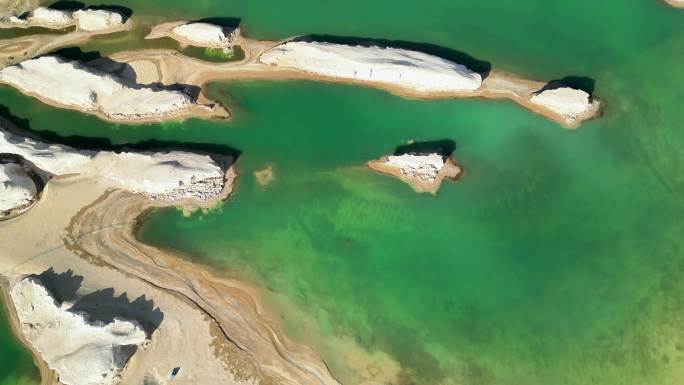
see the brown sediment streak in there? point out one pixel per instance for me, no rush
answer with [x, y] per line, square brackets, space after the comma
[253, 342]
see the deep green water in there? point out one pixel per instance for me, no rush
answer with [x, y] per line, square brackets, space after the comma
[556, 260]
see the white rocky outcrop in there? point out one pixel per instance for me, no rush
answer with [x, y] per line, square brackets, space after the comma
[17, 189]
[205, 35]
[17, 21]
[169, 176]
[74, 85]
[52, 18]
[407, 69]
[565, 101]
[90, 20]
[81, 351]
[423, 167]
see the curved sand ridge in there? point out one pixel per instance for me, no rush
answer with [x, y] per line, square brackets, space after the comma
[81, 351]
[215, 329]
[73, 85]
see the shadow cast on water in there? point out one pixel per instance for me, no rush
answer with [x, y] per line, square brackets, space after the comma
[444, 147]
[68, 5]
[226, 22]
[101, 305]
[223, 154]
[480, 66]
[583, 83]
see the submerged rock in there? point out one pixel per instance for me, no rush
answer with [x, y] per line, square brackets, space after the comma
[17, 189]
[74, 85]
[97, 19]
[565, 101]
[206, 35]
[404, 68]
[81, 351]
[169, 176]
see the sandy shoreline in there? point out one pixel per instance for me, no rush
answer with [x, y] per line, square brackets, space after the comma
[235, 338]
[47, 375]
[675, 3]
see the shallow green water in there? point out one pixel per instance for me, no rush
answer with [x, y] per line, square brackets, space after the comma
[557, 259]
[16, 365]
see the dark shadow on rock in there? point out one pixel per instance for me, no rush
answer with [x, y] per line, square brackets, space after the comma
[104, 306]
[123, 11]
[67, 5]
[228, 22]
[76, 54]
[444, 147]
[583, 83]
[62, 286]
[94, 59]
[223, 154]
[480, 66]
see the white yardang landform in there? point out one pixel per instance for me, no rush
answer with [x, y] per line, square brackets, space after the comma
[17, 189]
[97, 19]
[50, 17]
[565, 101]
[74, 85]
[204, 34]
[83, 352]
[169, 176]
[424, 167]
[408, 69]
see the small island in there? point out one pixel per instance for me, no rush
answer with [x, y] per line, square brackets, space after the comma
[421, 165]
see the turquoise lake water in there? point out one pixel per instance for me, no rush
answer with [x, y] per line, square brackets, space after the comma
[557, 258]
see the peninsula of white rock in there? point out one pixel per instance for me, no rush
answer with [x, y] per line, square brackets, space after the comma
[71, 84]
[81, 351]
[169, 176]
[86, 20]
[17, 189]
[97, 19]
[565, 101]
[48, 18]
[424, 172]
[407, 69]
[205, 35]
